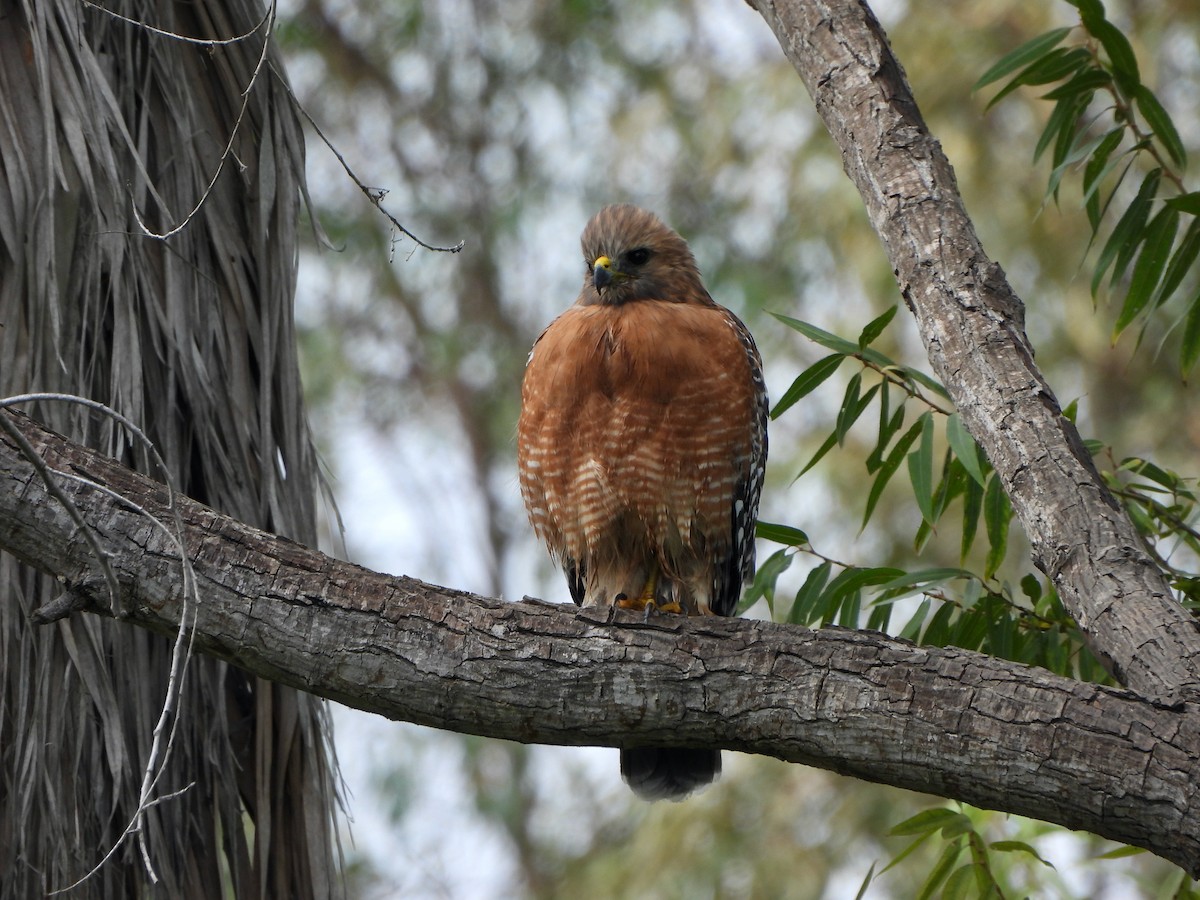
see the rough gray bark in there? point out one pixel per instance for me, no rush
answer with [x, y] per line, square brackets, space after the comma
[950, 722]
[972, 325]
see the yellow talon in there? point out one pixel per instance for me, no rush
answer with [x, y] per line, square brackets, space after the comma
[647, 598]
[647, 601]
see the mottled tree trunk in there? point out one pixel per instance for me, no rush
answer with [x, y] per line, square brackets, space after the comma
[101, 121]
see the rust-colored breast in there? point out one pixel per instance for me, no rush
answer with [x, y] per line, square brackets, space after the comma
[637, 424]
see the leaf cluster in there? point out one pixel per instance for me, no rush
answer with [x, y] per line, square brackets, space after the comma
[955, 878]
[1107, 125]
[966, 606]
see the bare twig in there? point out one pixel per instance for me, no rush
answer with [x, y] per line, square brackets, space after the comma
[166, 727]
[374, 194]
[162, 32]
[268, 25]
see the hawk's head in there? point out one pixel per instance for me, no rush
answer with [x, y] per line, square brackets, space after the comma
[630, 254]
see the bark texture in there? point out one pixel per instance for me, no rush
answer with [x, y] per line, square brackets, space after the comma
[950, 722]
[972, 325]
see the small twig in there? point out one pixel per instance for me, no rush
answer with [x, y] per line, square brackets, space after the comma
[162, 32]
[71, 601]
[228, 151]
[373, 194]
[889, 374]
[167, 724]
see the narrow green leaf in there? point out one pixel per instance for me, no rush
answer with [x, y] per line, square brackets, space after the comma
[881, 615]
[1019, 847]
[970, 631]
[866, 883]
[927, 820]
[964, 447]
[821, 451]
[1096, 207]
[1022, 56]
[958, 825]
[1148, 270]
[845, 416]
[941, 870]
[1160, 123]
[920, 469]
[819, 335]
[1070, 146]
[781, 534]
[1127, 252]
[912, 630]
[1055, 65]
[972, 591]
[1069, 153]
[1002, 638]
[855, 579]
[1187, 203]
[1095, 171]
[1121, 852]
[996, 514]
[1061, 121]
[1085, 81]
[1189, 352]
[922, 379]
[958, 885]
[1119, 50]
[851, 610]
[937, 634]
[765, 578]
[907, 851]
[972, 507]
[1089, 8]
[922, 577]
[814, 583]
[807, 382]
[886, 429]
[889, 467]
[1031, 587]
[1160, 476]
[1127, 234]
[1181, 262]
[875, 328]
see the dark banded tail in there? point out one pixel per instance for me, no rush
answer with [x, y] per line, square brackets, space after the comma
[668, 773]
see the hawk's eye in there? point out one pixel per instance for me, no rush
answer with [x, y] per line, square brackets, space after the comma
[638, 257]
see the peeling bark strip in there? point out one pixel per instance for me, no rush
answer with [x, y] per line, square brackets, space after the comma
[973, 328]
[954, 723]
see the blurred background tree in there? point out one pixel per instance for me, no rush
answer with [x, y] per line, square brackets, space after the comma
[505, 125]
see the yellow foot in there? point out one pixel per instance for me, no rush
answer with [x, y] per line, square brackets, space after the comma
[646, 601]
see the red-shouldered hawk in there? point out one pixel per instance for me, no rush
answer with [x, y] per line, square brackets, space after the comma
[641, 446]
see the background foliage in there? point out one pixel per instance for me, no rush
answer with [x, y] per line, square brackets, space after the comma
[505, 125]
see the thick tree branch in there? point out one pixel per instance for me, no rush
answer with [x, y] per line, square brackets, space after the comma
[972, 325]
[949, 722]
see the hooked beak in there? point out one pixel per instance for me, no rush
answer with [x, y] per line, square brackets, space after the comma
[602, 273]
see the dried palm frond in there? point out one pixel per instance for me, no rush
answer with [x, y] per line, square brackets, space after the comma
[105, 125]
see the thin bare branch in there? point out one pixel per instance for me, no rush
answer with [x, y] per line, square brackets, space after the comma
[373, 194]
[165, 728]
[175, 36]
